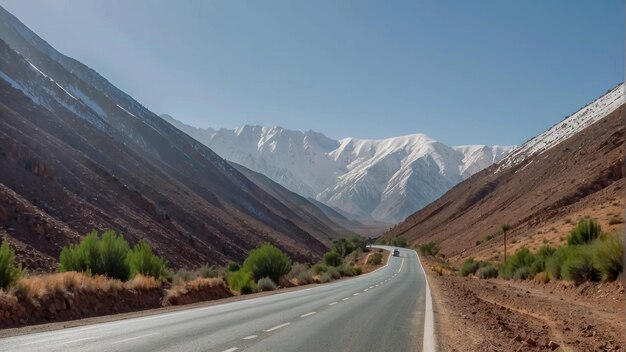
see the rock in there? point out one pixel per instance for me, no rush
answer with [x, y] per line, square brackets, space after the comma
[553, 345]
[530, 342]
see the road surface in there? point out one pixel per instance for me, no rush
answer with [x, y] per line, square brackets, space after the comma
[380, 311]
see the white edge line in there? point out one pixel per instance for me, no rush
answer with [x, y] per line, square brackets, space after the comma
[429, 317]
[307, 314]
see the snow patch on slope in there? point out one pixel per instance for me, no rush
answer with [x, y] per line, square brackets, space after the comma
[560, 132]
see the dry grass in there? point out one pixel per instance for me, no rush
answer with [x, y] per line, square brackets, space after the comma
[197, 284]
[142, 283]
[34, 287]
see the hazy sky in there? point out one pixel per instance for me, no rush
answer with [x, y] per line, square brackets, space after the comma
[463, 72]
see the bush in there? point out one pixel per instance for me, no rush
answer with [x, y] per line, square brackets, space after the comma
[469, 266]
[542, 256]
[479, 242]
[399, 242]
[241, 281]
[487, 272]
[607, 254]
[345, 246]
[522, 258]
[333, 272]
[208, 271]
[181, 276]
[267, 261]
[522, 273]
[141, 260]
[375, 259]
[555, 262]
[319, 268]
[266, 284]
[430, 248]
[305, 278]
[346, 270]
[10, 272]
[332, 258]
[296, 269]
[97, 256]
[358, 270]
[585, 231]
[579, 267]
[326, 277]
[232, 266]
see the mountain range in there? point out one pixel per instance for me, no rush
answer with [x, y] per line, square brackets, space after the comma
[381, 180]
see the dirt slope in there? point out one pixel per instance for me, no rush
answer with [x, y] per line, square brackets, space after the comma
[542, 197]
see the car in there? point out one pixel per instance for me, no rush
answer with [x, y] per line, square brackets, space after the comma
[396, 253]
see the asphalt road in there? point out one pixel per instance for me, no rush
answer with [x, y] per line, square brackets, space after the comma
[380, 311]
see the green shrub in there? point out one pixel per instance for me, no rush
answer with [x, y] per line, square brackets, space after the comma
[556, 260]
[358, 270]
[332, 258]
[375, 259]
[207, 271]
[430, 248]
[10, 272]
[319, 268]
[346, 270]
[326, 277]
[267, 261]
[142, 260]
[232, 266]
[305, 278]
[345, 246]
[241, 281]
[585, 231]
[469, 266]
[333, 272]
[266, 284]
[541, 258]
[399, 242]
[607, 253]
[487, 271]
[522, 273]
[182, 275]
[522, 258]
[97, 256]
[578, 267]
[479, 242]
[296, 269]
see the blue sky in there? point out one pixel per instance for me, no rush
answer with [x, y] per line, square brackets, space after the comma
[463, 72]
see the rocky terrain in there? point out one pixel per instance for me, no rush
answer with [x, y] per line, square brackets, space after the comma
[77, 154]
[497, 315]
[540, 192]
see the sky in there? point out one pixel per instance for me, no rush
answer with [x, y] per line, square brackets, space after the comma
[463, 72]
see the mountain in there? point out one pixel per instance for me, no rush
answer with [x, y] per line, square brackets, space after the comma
[77, 153]
[573, 170]
[384, 180]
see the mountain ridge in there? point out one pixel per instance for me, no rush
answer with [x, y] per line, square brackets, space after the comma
[371, 179]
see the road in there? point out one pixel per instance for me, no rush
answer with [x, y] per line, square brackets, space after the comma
[379, 311]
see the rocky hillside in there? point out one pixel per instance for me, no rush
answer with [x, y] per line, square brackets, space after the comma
[573, 170]
[77, 153]
[376, 181]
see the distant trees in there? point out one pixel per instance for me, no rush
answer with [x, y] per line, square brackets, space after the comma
[10, 272]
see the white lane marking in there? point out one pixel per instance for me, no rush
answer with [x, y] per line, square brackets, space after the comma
[381, 282]
[231, 349]
[277, 327]
[345, 299]
[250, 337]
[133, 338]
[401, 264]
[356, 294]
[78, 340]
[376, 285]
[371, 286]
[332, 304]
[307, 314]
[367, 289]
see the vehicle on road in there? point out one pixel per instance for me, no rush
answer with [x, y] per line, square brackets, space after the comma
[396, 253]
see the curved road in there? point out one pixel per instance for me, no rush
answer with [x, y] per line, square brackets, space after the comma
[379, 311]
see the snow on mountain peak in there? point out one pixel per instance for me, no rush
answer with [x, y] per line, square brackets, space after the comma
[381, 179]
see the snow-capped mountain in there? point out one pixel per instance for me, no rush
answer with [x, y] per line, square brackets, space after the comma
[586, 116]
[384, 180]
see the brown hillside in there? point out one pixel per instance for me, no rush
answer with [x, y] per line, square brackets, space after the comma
[542, 197]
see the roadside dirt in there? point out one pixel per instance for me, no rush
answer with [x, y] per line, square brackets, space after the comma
[498, 315]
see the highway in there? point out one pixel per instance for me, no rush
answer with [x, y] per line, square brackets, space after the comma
[381, 311]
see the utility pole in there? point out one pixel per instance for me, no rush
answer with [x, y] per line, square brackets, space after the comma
[504, 228]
